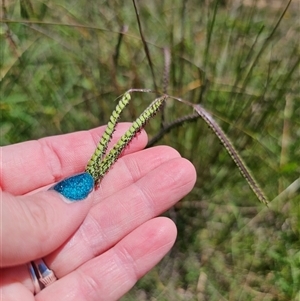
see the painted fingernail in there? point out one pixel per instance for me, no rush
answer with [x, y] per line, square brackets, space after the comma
[75, 188]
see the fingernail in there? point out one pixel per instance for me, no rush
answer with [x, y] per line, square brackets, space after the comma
[75, 188]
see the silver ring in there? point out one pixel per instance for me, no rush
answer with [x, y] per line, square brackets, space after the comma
[40, 274]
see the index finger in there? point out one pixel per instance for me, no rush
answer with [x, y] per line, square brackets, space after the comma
[34, 164]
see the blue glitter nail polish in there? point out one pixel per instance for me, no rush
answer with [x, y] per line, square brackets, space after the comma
[75, 188]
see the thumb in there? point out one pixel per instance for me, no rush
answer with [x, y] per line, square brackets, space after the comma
[33, 226]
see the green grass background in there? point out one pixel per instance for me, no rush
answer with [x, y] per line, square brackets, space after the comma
[62, 69]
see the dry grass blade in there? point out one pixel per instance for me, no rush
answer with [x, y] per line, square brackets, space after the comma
[145, 44]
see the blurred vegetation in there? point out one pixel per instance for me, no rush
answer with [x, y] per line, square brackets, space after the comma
[64, 63]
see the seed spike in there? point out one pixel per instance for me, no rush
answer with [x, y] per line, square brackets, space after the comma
[136, 126]
[232, 152]
[107, 135]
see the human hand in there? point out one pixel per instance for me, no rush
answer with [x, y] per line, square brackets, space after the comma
[99, 247]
